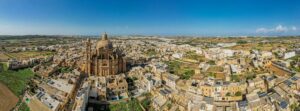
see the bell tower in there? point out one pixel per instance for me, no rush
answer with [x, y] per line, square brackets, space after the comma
[104, 36]
[88, 57]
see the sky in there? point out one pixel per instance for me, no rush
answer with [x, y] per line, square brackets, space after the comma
[150, 17]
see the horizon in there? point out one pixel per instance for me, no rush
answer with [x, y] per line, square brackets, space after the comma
[150, 18]
[163, 36]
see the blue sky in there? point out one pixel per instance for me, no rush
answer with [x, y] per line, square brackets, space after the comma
[150, 17]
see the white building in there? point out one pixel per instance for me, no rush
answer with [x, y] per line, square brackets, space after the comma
[62, 85]
[177, 55]
[226, 44]
[289, 55]
[171, 80]
[266, 54]
[82, 98]
[50, 102]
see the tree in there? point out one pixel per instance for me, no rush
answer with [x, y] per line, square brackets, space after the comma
[241, 42]
[250, 76]
[235, 78]
[227, 94]
[295, 107]
[212, 74]
[3, 48]
[211, 62]
[188, 73]
[238, 93]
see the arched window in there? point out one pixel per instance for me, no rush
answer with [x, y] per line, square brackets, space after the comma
[104, 64]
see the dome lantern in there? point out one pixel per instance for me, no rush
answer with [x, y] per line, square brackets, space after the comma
[104, 42]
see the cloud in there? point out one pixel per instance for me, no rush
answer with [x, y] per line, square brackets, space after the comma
[294, 28]
[278, 29]
[262, 30]
[281, 28]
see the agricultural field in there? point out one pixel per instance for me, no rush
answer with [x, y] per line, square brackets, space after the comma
[8, 43]
[29, 54]
[24, 107]
[132, 105]
[3, 66]
[196, 57]
[8, 99]
[3, 57]
[243, 43]
[12, 86]
[259, 46]
[180, 69]
[36, 105]
[16, 81]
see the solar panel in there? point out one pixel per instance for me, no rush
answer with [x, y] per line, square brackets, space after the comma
[283, 104]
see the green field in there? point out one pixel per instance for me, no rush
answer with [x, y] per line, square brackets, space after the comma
[132, 105]
[29, 54]
[3, 66]
[24, 107]
[192, 55]
[151, 52]
[16, 81]
[176, 67]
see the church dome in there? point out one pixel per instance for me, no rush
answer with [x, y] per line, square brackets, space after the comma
[104, 42]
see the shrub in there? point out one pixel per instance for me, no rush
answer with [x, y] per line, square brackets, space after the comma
[241, 42]
[238, 93]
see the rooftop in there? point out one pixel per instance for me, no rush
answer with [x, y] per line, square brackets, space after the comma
[61, 84]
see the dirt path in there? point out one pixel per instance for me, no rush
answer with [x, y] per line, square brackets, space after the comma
[7, 99]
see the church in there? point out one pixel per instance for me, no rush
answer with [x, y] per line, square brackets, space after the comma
[105, 66]
[104, 60]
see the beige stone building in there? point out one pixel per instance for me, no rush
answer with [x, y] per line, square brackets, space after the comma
[224, 92]
[104, 60]
[105, 67]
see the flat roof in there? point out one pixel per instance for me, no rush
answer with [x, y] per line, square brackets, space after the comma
[61, 84]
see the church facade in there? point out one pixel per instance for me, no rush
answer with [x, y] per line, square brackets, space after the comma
[104, 60]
